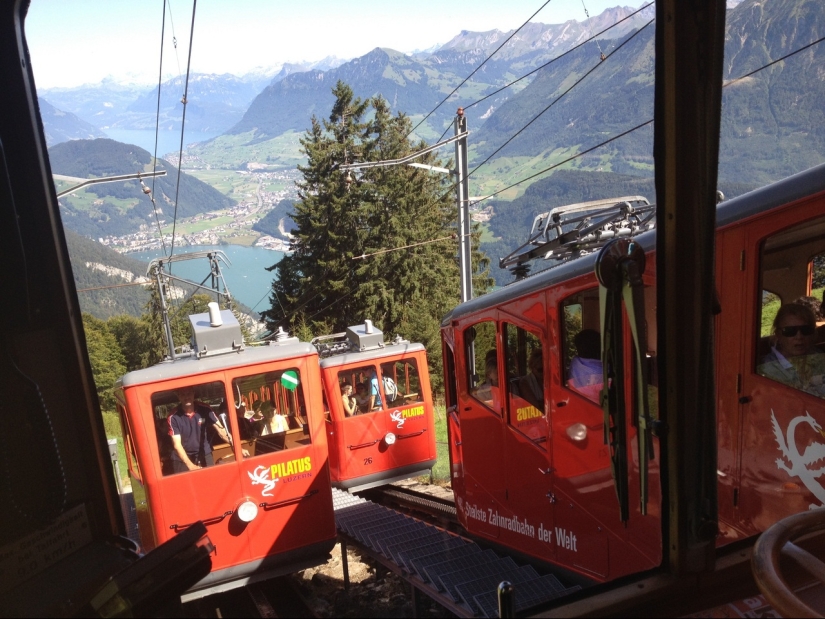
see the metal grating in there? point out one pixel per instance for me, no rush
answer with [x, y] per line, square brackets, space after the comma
[359, 521]
[497, 569]
[528, 594]
[376, 539]
[403, 537]
[435, 571]
[383, 525]
[396, 549]
[420, 564]
[439, 548]
[468, 590]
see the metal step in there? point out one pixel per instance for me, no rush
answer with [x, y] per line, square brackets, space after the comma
[497, 569]
[420, 564]
[468, 590]
[438, 550]
[527, 595]
[437, 570]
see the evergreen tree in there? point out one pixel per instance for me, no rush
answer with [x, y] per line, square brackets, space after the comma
[106, 359]
[377, 244]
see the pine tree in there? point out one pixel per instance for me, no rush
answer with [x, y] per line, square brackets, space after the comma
[376, 244]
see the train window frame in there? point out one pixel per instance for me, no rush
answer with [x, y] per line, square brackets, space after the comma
[403, 387]
[132, 464]
[786, 270]
[474, 383]
[209, 394]
[569, 351]
[366, 369]
[523, 416]
[271, 387]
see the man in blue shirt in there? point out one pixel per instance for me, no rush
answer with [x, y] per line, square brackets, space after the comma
[375, 393]
[188, 426]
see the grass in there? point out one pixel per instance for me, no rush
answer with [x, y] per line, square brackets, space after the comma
[111, 424]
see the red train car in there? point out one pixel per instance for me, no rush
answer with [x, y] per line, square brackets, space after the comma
[524, 373]
[380, 421]
[264, 495]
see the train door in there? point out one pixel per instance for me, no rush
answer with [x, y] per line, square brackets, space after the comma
[530, 492]
[481, 411]
[196, 487]
[782, 366]
[406, 385]
[453, 418]
[145, 529]
[284, 469]
[362, 437]
[585, 495]
[590, 536]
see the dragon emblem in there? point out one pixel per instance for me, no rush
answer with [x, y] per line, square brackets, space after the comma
[261, 476]
[800, 463]
[397, 418]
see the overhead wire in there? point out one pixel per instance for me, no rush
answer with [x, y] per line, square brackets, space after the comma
[637, 127]
[464, 81]
[183, 125]
[559, 57]
[557, 99]
[157, 130]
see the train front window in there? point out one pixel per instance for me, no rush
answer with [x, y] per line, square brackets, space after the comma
[401, 382]
[271, 413]
[790, 347]
[582, 365]
[524, 366]
[366, 392]
[482, 364]
[191, 424]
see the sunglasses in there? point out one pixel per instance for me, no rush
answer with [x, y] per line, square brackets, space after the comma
[792, 331]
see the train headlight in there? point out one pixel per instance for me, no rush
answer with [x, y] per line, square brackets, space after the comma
[389, 439]
[577, 432]
[247, 511]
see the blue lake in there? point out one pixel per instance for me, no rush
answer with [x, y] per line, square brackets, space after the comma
[168, 141]
[246, 277]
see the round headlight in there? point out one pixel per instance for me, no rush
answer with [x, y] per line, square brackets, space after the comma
[389, 439]
[577, 432]
[247, 511]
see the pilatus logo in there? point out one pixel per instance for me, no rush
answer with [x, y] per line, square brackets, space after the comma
[397, 418]
[800, 463]
[261, 476]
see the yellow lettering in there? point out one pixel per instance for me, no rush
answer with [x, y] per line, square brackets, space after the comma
[307, 464]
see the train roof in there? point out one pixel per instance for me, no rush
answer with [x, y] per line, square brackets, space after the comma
[191, 365]
[367, 356]
[787, 190]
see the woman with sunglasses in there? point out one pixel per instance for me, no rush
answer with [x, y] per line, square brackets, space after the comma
[794, 359]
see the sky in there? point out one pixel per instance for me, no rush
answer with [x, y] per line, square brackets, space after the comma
[74, 42]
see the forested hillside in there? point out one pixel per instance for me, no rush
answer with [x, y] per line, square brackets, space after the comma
[122, 207]
[268, 224]
[93, 266]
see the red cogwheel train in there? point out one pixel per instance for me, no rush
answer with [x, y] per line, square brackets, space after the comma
[536, 371]
[248, 440]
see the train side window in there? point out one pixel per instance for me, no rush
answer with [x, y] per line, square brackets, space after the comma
[524, 368]
[129, 444]
[789, 342]
[582, 365]
[200, 432]
[402, 384]
[366, 390]
[450, 390]
[482, 364]
[270, 409]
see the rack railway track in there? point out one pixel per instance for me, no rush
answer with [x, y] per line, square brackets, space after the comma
[437, 560]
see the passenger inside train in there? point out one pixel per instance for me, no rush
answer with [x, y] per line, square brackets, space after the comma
[362, 398]
[794, 358]
[487, 391]
[531, 386]
[348, 400]
[190, 425]
[585, 374]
